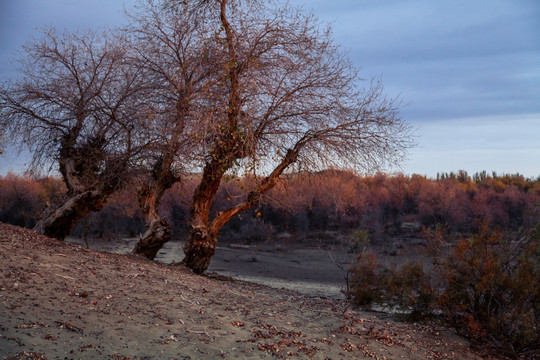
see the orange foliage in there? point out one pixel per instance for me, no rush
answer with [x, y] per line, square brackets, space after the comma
[21, 199]
[327, 200]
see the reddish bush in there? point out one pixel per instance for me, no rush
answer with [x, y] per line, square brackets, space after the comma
[365, 280]
[491, 289]
[487, 286]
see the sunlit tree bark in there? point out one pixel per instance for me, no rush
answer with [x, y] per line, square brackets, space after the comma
[149, 195]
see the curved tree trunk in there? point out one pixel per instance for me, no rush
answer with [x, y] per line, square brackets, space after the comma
[88, 188]
[158, 231]
[202, 241]
[149, 195]
[199, 249]
[203, 233]
[59, 222]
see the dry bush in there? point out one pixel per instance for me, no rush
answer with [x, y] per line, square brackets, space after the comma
[491, 289]
[366, 279]
[486, 285]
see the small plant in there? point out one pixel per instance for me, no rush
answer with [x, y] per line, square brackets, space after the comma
[411, 289]
[359, 241]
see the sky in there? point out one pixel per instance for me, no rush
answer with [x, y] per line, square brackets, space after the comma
[467, 72]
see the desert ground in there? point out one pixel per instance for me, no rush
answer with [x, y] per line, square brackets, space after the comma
[60, 300]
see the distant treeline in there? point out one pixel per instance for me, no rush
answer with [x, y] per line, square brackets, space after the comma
[383, 205]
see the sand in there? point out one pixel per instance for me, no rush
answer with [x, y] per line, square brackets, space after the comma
[63, 301]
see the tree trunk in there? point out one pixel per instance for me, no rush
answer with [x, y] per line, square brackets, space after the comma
[87, 189]
[203, 233]
[202, 241]
[157, 233]
[58, 223]
[199, 249]
[149, 195]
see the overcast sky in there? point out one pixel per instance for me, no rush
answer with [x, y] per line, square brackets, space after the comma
[467, 71]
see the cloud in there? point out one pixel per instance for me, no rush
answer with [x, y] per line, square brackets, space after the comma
[394, 32]
[19, 20]
[449, 59]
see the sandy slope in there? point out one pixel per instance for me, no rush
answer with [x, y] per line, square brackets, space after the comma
[60, 301]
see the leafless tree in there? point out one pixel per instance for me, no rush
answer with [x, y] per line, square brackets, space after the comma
[167, 43]
[75, 104]
[285, 97]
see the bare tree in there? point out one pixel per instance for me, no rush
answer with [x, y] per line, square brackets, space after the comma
[75, 105]
[168, 45]
[286, 97]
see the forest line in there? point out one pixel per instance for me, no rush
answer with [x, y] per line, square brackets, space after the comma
[382, 205]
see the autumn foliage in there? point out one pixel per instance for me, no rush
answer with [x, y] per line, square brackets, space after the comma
[22, 198]
[381, 205]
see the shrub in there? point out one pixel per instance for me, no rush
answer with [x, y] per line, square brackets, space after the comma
[365, 280]
[487, 286]
[491, 290]
[410, 288]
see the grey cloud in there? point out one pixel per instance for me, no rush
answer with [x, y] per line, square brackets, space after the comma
[448, 59]
[409, 24]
